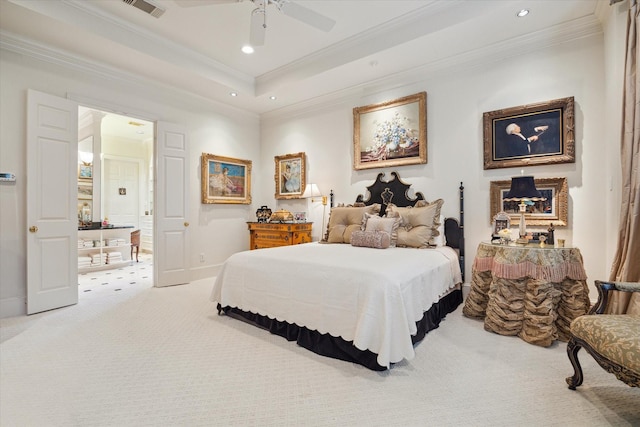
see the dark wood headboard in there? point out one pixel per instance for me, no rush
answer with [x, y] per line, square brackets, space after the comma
[397, 192]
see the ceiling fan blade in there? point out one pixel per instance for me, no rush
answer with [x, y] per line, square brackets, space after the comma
[195, 3]
[307, 16]
[258, 28]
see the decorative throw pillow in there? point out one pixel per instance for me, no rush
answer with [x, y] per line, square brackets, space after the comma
[371, 239]
[387, 224]
[419, 225]
[343, 221]
[439, 239]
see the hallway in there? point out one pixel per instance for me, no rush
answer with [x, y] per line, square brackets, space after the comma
[134, 276]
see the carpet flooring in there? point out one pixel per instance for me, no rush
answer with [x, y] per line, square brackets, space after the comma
[129, 354]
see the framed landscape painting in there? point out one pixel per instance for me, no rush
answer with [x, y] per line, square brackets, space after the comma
[392, 133]
[225, 179]
[534, 134]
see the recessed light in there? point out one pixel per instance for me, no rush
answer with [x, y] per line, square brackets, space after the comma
[247, 49]
[233, 93]
[272, 97]
[523, 12]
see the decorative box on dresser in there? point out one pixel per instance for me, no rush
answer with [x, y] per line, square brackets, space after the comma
[271, 234]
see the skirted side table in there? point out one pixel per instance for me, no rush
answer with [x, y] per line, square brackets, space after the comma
[530, 291]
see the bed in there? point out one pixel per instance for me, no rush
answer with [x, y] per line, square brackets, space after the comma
[358, 295]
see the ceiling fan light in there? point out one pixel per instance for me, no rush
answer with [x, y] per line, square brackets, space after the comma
[248, 49]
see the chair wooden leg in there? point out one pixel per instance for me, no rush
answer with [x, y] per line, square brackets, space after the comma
[572, 351]
[137, 251]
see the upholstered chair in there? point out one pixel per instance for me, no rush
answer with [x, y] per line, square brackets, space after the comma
[612, 339]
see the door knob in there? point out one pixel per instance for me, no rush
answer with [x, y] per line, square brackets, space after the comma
[186, 224]
[33, 229]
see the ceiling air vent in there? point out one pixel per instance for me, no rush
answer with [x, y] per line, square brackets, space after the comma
[146, 6]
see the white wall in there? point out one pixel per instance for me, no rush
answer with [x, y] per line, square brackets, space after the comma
[217, 231]
[456, 100]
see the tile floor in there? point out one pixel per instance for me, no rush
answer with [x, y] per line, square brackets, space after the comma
[136, 275]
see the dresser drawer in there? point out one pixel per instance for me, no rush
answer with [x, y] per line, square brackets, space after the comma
[271, 235]
[301, 237]
[271, 238]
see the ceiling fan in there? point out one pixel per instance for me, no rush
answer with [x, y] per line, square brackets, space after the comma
[259, 15]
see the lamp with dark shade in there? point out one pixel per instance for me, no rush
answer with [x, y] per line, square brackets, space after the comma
[523, 190]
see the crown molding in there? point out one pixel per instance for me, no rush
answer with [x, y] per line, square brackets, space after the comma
[41, 52]
[555, 36]
[84, 15]
[417, 23]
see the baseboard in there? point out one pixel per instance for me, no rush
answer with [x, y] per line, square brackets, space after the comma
[466, 288]
[11, 307]
[198, 273]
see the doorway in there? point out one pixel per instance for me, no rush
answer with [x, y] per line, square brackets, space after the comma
[115, 196]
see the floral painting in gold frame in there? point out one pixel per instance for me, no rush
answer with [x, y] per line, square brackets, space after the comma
[225, 179]
[290, 176]
[554, 210]
[392, 133]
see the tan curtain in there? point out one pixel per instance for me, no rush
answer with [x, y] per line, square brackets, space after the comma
[626, 265]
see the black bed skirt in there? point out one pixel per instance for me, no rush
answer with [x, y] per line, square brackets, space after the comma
[336, 347]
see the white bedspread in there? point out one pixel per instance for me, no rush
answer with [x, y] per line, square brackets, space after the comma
[372, 297]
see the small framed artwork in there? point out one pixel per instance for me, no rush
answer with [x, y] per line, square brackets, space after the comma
[392, 133]
[501, 221]
[290, 176]
[534, 134]
[85, 190]
[553, 210]
[225, 180]
[85, 171]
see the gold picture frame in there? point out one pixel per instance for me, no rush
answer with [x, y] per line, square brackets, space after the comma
[554, 210]
[85, 171]
[225, 180]
[534, 134]
[85, 189]
[392, 133]
[291, 170]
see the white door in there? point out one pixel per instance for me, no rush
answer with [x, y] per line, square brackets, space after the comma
[171, 232]
[52, 194]
[120, 194]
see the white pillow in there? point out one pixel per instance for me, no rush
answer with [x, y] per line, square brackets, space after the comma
[440, 239]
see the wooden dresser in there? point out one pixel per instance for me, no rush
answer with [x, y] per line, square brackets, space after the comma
[272, 234]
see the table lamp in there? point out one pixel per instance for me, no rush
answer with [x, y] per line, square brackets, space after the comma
[523, 190]
[313, 192]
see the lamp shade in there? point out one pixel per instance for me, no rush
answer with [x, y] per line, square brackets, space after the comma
[311, 190]
[523, 188]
